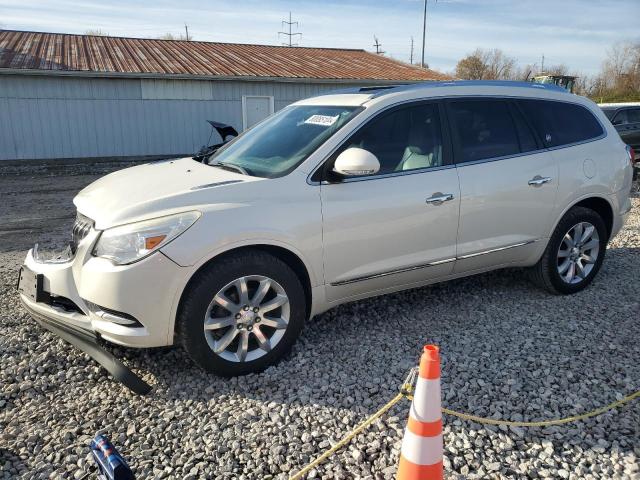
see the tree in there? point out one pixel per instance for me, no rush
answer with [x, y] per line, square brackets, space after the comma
[619, 77]
[171, 36]
[96, 32]
[560, 69]
[487, 65]
[471, 67]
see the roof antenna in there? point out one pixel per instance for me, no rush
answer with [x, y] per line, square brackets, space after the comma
[290, 34]
[377, 44]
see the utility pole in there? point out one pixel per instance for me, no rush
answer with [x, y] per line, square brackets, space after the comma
[424, 31]
[411, 56]
[377, 44]
[186, 31]
[542, 66]
[290, 34]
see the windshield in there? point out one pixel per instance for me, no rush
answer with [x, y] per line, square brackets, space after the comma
[283, 141]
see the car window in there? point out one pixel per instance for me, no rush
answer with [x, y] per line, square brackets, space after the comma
[561, 123]
[633, 115]
[408, 138]
[627, 116]
[620, 118]
[485, 129]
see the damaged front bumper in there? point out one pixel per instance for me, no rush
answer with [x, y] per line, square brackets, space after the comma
[83, 298]
[88, 343]
[129, 305]
[60, 312]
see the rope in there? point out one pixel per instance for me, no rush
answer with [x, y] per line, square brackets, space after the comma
[346, 439]
[405, 392]
[545, 423]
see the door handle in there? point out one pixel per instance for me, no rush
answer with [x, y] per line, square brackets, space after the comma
[538, 180]
[439, 198]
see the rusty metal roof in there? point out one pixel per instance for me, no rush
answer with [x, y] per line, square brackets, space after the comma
[65, 53]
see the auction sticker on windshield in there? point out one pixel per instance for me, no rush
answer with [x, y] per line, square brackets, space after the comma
[324, 120]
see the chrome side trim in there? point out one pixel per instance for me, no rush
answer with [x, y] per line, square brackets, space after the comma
[430, 264]
[493, 250]
[392, 272]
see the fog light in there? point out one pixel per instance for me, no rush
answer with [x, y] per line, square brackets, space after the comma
[114, 316]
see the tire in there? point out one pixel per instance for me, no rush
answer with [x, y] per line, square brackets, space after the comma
[267, 339]
[546, 273]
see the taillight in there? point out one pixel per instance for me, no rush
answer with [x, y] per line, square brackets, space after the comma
[632, 155]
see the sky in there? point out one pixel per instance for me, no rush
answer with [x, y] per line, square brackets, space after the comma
[573, 32]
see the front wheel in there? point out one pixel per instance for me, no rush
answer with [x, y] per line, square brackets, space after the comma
[242, 313]
[574, 254]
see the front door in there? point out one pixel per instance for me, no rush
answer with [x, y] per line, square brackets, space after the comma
[398, 227]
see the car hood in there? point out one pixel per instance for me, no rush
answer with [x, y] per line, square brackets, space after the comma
[156, 189]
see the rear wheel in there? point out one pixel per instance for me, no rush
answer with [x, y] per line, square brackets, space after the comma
[242, 313]
[574, 254]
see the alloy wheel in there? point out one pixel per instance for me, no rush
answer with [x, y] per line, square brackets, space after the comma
[578, 252]
[247, 318]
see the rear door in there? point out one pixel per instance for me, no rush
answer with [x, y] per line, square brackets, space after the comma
[508, 183]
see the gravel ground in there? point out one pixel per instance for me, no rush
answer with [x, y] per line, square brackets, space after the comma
[509, 351]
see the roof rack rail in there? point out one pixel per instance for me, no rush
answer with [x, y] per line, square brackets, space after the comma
[380, 87]
[366, 89]
[472, 83]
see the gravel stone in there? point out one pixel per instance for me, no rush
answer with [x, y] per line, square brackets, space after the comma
[509, 351]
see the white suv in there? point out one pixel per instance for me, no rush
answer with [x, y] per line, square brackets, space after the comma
[333, 199]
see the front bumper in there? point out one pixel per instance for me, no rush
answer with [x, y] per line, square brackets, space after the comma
[87, 342]
[147, 290]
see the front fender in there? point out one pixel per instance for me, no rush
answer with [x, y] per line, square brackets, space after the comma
[313, 269]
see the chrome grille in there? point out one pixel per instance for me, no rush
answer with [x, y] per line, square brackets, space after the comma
[81, 228]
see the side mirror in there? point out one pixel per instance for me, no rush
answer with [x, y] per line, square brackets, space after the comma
[355, 162]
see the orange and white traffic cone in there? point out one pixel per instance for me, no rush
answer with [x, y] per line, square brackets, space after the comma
[421, 454]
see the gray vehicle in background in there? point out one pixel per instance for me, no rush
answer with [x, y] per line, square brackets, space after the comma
[626, 119]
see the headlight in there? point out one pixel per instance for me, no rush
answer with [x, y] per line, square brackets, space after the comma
[130, 243]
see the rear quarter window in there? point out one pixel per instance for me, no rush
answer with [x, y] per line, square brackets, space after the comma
[561, 123]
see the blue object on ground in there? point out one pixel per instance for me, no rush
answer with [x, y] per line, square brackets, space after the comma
[110, 463]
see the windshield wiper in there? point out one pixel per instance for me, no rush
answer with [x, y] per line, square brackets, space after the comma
[230, 167]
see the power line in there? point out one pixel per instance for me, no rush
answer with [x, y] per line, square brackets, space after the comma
[290, 34]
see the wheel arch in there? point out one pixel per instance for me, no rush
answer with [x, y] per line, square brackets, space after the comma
[287, 256]
[598, 204]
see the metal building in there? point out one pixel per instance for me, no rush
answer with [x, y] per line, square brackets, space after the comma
[77, 96]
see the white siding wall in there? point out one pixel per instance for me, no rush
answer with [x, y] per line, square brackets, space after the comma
[48, 117]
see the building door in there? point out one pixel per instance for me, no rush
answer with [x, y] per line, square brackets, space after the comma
[255, 109]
